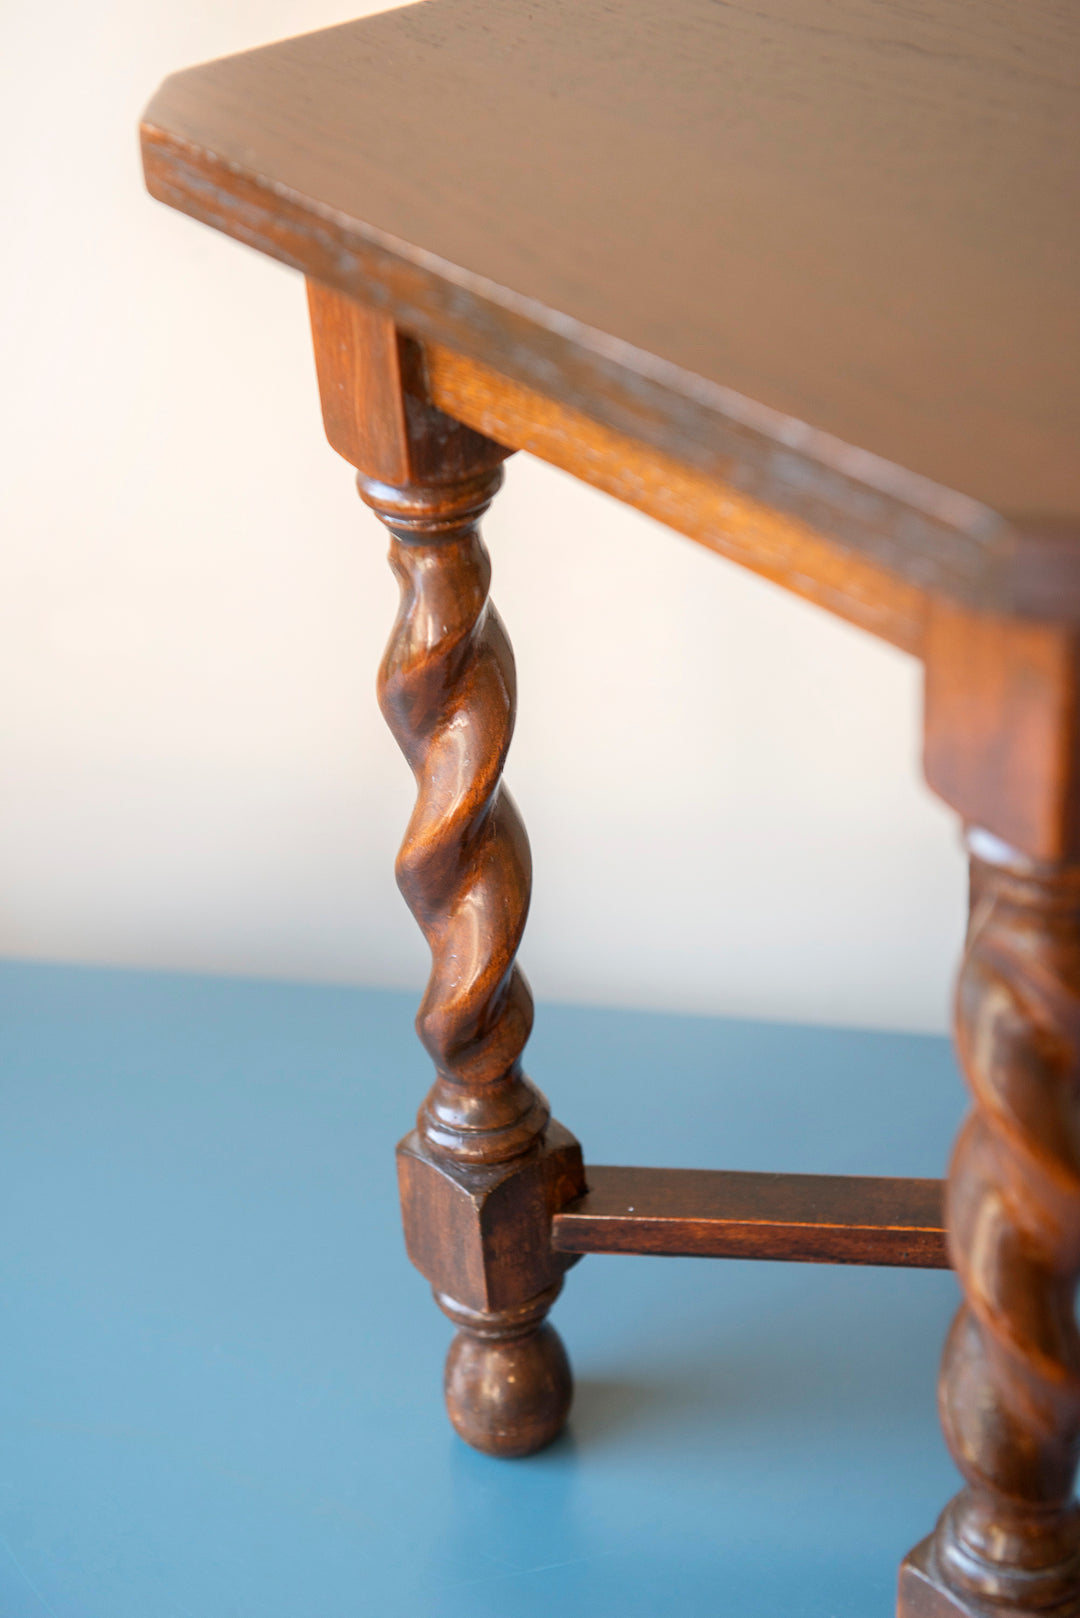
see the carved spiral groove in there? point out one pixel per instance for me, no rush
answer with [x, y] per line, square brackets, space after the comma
[1010, 1389]
[447, 690]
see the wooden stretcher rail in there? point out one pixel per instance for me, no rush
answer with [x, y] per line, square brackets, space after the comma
[709, 1213]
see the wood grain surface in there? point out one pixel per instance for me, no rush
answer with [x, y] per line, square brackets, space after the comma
[791, 552]
[1009, 1391]
[826, 251]
[1001, 733]
[713, 1213]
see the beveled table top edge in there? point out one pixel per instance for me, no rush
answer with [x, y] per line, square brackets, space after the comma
[934, 537]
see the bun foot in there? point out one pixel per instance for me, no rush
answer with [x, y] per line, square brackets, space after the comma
[508, 1396]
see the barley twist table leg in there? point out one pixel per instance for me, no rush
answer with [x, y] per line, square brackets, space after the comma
[447, 689]
[1009, 1543]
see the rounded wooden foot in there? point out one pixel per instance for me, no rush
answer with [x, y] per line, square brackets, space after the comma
[508, 1396]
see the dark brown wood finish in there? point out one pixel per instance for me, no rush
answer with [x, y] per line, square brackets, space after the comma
[485, 1168]
[800, 281]
[714, 1213]
[786, 549]
[1002, 693]
[824, 252]
[1001, 742]
[1010, 1382]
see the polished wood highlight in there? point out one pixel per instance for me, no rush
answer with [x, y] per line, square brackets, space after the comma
[447, 690]
[1010, 1381]
[717, 1213]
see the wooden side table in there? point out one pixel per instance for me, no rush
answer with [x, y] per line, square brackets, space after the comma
[802, 282]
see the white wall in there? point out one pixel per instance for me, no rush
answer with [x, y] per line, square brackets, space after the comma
[721, 783]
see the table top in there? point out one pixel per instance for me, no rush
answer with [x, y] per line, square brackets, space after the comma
[795, 239]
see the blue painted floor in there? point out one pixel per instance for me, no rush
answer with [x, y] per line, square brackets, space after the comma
[220, 1379]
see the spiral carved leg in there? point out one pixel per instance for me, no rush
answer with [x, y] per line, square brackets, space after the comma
[1009, 1543]
[485, 1169]
[447, 691]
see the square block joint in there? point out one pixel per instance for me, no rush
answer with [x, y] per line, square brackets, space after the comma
[482, 1234]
